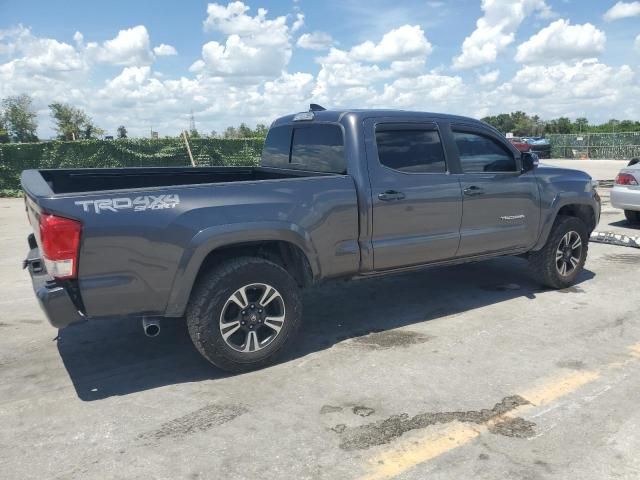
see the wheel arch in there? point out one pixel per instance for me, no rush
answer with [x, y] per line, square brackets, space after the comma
[285, 245]
[570, 207]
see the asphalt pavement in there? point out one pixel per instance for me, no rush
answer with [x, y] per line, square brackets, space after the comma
[472, 371]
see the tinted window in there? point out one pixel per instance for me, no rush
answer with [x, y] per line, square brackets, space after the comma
[483, 154]
[277, 146]
[416, 151]
[318, 148]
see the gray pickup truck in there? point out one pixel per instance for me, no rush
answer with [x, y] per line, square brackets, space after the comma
[353, 193]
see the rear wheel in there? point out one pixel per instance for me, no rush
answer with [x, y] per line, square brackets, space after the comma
[560, 261]
[243, 313]
[632, 216]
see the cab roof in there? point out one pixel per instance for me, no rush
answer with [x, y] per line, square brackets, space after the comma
[337, 115]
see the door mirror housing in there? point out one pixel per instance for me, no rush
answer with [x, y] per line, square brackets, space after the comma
[530, 161]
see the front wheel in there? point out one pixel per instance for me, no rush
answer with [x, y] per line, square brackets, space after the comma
[560, 261]
[243, 313]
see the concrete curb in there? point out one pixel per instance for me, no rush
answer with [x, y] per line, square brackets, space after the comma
[615, 239]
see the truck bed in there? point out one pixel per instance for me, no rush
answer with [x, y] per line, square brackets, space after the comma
[98, 179]
[146, 231]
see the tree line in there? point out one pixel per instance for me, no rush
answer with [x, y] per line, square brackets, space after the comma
[242, 131]
[522, 124]
[19, 123]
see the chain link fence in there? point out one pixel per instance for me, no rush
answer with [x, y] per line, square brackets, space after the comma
[615, 146]
[15, 157]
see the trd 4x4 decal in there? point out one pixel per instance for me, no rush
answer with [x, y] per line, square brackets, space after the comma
[137, 204]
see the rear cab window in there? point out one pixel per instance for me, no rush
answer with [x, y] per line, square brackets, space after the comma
[312, 147]
[410, 148]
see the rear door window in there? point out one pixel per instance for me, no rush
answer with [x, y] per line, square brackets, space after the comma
[410, 149]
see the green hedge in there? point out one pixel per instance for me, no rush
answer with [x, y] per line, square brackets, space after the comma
[616, 146]
[15, 157]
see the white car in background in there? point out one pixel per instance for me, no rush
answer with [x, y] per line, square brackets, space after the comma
[626, 191]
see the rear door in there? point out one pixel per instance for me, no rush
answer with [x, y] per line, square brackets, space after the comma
[501, 205]
[416, 201]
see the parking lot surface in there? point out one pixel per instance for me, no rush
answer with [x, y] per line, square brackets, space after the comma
[460, 372]
[598, 169]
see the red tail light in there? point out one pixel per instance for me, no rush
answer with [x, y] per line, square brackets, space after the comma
[60, 242]
[626, 179]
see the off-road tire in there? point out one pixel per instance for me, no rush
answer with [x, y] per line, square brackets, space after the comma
[543, 262]
[632, 216]
[209, 297]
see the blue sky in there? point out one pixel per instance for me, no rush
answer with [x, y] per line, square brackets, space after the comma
[148, 64]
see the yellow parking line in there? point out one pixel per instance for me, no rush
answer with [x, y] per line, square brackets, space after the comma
[555, 388]
[397, 460]
[407, 454]
[414, 450]
[635, 350]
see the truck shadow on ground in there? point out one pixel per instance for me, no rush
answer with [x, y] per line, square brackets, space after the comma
[113, 357]
[625, 224]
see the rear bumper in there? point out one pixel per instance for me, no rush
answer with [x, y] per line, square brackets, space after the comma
[53, 298]
[625, 198]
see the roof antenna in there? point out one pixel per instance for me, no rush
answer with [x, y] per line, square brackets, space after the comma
[314, 107]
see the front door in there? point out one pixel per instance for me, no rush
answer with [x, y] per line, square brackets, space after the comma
[416, 201]
[501, 205]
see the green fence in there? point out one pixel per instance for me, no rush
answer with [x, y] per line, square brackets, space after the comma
[616, 146]
[15, 157]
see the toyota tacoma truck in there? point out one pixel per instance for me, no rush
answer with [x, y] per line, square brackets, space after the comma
[352, 194]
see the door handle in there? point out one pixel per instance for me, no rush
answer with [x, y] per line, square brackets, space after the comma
[391, 195]
[473, 191]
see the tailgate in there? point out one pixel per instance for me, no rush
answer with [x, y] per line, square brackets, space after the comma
[33, 214]
[35, 190]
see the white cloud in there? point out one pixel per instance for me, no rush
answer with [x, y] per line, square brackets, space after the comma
[298, 23]
[489, 77]
[244, 75]
[39, 56]
[233, 20]
[129, 48]
[495, 30]
[164, 50]
[403, 46]
[256, 46]
[622, 10]
[401, 43]
[545, 12]
[427, 92]
[562, 41]
[352, 77]
[315, 41]
[343, 81]
[587, 81]
[408, 68]
[79, 39]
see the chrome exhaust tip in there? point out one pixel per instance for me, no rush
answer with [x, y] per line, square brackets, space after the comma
[151, 327]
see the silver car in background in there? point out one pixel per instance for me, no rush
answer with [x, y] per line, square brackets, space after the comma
[626, 191]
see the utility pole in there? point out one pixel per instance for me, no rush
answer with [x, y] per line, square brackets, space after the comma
[186, 142]
[192, 122]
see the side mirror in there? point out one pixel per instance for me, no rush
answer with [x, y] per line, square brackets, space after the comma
[529, 161]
